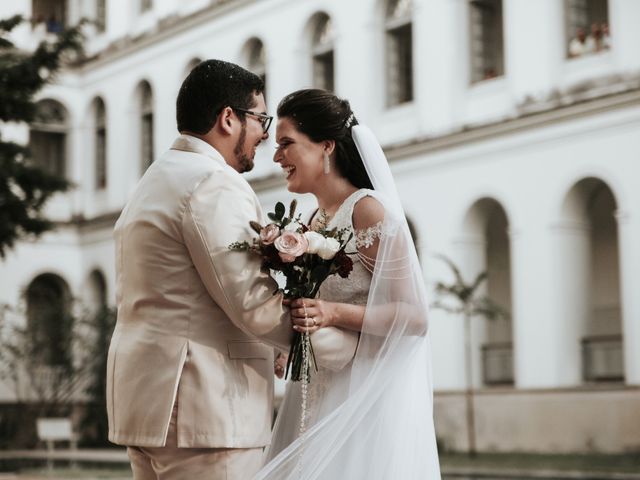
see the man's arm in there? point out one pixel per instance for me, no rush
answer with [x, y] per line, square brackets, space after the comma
[217, 214]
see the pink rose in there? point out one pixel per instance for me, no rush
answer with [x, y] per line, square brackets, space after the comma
[269, 233]
[290, 245]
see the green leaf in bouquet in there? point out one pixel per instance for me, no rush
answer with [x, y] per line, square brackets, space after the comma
[272, 216]
[292, 208]
[285, 221]
[280, 210]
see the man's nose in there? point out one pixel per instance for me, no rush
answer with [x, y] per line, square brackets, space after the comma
[265, 135]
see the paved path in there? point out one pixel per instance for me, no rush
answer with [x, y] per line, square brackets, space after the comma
[110, 455]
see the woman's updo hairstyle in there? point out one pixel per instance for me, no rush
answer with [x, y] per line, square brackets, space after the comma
[321, 115]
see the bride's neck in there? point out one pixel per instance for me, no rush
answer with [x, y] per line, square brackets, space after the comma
[332, 193]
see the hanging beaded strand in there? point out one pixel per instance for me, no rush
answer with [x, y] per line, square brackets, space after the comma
[304, 387]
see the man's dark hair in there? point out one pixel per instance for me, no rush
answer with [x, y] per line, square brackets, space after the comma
[211, 86]
[321, 115]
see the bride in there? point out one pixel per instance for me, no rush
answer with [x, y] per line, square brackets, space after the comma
[372, 418]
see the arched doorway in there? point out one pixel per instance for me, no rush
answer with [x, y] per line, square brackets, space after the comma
[49, 322]
[485, 247]
[591, 283]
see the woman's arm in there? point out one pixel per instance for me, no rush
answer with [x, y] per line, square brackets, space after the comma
[398, 311]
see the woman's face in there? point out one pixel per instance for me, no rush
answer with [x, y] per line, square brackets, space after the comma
[299, 156]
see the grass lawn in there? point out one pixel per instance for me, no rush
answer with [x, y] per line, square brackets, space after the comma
[76, 473]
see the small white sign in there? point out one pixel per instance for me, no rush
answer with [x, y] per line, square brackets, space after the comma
[55, 429]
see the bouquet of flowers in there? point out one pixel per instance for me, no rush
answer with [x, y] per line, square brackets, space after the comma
[306, 258]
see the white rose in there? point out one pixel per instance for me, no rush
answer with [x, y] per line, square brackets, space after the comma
[329, 249]
[292, 226]
[316, 241]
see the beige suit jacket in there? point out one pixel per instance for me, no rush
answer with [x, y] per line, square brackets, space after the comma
[193, 315]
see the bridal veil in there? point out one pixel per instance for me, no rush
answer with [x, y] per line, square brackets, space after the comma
[384, 429]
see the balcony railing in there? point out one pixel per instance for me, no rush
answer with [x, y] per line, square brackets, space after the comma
[497, 364]
[602, 359]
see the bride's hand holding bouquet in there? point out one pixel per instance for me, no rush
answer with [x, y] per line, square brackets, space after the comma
[305, 258]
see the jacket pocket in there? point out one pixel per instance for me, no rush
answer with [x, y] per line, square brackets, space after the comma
[241, 349]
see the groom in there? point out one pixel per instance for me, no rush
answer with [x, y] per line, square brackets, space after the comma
[189, 381]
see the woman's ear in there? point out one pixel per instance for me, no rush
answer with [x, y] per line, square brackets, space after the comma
[329, 146]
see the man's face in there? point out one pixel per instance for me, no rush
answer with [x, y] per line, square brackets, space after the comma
[250, 136]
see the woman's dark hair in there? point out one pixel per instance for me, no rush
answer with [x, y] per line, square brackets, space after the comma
[211, 86]
[321, 115]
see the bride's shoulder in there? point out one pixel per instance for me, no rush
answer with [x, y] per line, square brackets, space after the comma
[368, 210]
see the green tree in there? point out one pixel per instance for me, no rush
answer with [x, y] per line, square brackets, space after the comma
[47, 386]
[95, 425]
[25, 187]
[468, 302]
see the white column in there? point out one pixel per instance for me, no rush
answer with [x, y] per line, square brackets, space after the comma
[571, 274]
[359, 58]
[439, 62]
[546, 352]
[471, 259]
[74, 12]
[624, 16]
[629, 238]
[534, 45]
[77, 161]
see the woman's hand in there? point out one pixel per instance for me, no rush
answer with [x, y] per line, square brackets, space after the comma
[280, 364]
[309, 315]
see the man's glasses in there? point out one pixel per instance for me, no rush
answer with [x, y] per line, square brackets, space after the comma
[264, 119]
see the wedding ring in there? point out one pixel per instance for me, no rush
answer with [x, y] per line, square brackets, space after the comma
[315, 324]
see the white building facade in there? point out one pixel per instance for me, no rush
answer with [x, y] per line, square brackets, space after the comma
[513, 155]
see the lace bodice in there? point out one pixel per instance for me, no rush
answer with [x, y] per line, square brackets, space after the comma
[355, 288]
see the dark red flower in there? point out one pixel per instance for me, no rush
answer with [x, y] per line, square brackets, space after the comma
[343, 263]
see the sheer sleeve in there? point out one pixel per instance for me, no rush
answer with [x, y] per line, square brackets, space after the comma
[367, 237]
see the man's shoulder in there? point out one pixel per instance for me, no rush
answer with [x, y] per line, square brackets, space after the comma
[227, 183]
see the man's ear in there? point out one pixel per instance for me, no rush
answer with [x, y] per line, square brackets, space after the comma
[329, 146]
[225, 120]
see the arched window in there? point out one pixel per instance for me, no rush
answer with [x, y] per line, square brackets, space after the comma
[48, 137]
[487, 248]
[399, 52]
[587, 24]
[145, 99]
[95, 295]
[589, 282]
[101, 15]
[256, 59]
[53, 14]
[487, 52]
[100, 143]
[49, 321]
[322, 53]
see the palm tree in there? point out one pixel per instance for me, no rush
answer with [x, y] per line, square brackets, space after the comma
[470, 303]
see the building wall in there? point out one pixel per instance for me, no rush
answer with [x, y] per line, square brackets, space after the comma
[542, 421]
[525, 141]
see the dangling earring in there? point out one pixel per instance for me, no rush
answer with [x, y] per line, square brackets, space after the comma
[327, 165]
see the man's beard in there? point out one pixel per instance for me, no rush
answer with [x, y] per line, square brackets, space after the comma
[245, 164]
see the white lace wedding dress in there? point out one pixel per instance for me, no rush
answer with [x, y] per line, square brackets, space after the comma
[327, 388]
[373, 419]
